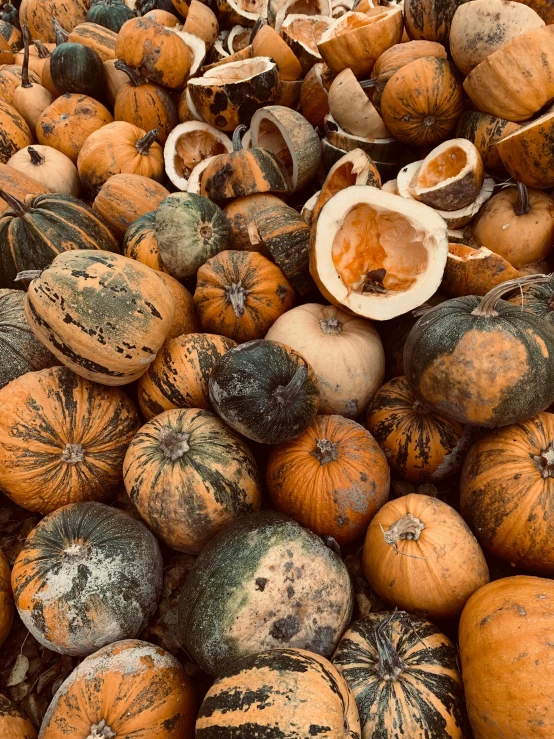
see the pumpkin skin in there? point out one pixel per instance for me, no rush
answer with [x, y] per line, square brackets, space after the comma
[189, 475]
[87, 575]
[344, 351]
[240, 295]
[111, 14]
[12, 35]
[14, 132]
[265, 391]
[331, 479]
[178, 377]
[404, 675]
[241, 212]
[63, 439]
[13, 723]
[185, 320]
[105, 341]
[77, 68]
[95, 37]
[433, 539]
[6, 605]
[48, 166]
[129, 687]
[263, 601]
[430, 19]
[139, 241]
[485, 131]
[33, 233]
[38, 15]
[481, 369]
[536, 299]
[312, 699]
[17, 184]
[10, 80]
[420, 445]
[21, 352]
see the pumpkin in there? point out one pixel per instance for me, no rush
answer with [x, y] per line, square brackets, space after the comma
[111, 14]
[404, 675]
[77, 68]
[303, 695]
[482, 361]
[240, 213]
[140, 241]
[6, 54]
[163, 17]
[265, 391]
[38, 15]
[145, 105]
[314, 96]
[95, 37]
[352, 109]
[484, 131]
[411, 557]
[430, 19]
[13, 722]
[11, 77]
[422, 101]
[240, 295]
[49, 167]
[419, 444]
[185, 320]
[543, 8]
[472, 271]
[332, 479]
[68, 122]
[124, 198]
[189, 144]
[39, 54]
[344, 351]
[18, 184]
[30, 99]
[267, 42]
[114, 80]
[14, 132]
[113, 335]
[526, 154]
[277, 585]
[504, 633]
[537, 299]
[302, 33]
[160, 55]
[87, 575]
[11, 35]
[189, 475]
[189, 230]
[201, 21]
[6, 615]
[125, 687]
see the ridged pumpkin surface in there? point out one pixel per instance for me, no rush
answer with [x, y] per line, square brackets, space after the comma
[17, 184]
[87, 575]
[140, 241]
[178, 377]
[282, 693]
[244, 172]
[332, 479]
[96, 37]
[103, 315]
[132, 688]
[430, 19]
[13, 723]
[63, 439]
[404, 676]
[39, 13]
[147, 106]
[188, 475]
[14, 132]
[263, 583]
[6, 606]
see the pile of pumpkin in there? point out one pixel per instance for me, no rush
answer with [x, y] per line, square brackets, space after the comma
[258, 258]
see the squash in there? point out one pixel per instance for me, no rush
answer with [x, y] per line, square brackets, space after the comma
[543, 8]
[404, 675]
[11, 35]
[189, 230]
[29, 99]
[268, 584]
[136, 684]
[201, 21]
[18, 184]
[420, 445]
[188, 145]
[189, 475]
[6, 54]
[537, 299]
[352, 109]
[72, 435]
[145, 105]
[6, 612]
[526, 154]
[430, 20]
[267, 42]
[185, 320]
[412, 551]
[14, 132]
[88, 575]
[163, 17]
[240, 295]
[111, 14]
[119, 148]
[304, 695]
[344, 351]
[160, 55]
[49, 167]
[472, 271]
[68, 122]
[140, 241]
[38, 15]
[265, 391]
[95, 37]
[114, 80]
[13, 722]
[39, 55]
[482, 361]
[102, 338]
[77, 68]
[332, 479]
[485, 131]
[240, 213]
[124, 198]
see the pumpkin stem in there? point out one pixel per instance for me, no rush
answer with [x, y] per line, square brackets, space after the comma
[144, 144]
[523, 205]
[237, 137]
[260, 23]
[326, 451]
[28, 274]
[101, 731]
[43, 52]
[25, 66]
[331, 326]
[368, 84]
[36, 157]
[408, 527]
[73, 453]
[545, 462]
[75, 551]
[419, 408]
[60, 34]
[390, 665]
[134, 77]
[173, 443]
[285, 394]
[486, 308]
[236, 295]
[17, 206]
[332, 544]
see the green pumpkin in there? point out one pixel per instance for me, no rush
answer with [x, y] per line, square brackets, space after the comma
[77, 68]
[262, 583]
[111, 14]
[33, 234]
[265, 391]
[189, 230]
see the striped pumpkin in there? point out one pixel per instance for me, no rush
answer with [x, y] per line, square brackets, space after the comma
[87, 575]
[178, 377]
[34, 232]
[279, 694]
[189, 474]
[10, 80]
[13, 723]
[14, 132]
[6, 605]
[103, 315]
[96, 37]
[17, 184]
[140, 241]
[404, 676]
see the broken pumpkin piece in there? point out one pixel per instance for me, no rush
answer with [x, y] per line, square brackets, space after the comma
[202, 22]
[239, 38]
[314, 104]
[303, 33]
[471, 271]
[188, 145]
[240, 12]
[267, 42]
[353, 110]
[485, 131]
[528, 154]
[278, 10]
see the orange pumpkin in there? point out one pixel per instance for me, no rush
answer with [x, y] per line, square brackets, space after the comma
[485, 131]
[18, 184]
[38, 15]
[331, 479]
[241, 294]
[11, 77]
[6, 54]
[140, 241]
[6, 604]
[420, 555]
[471, 271]
[527, 154]
[241, 212]
[13, 723]
[185, 320]
[14, 132]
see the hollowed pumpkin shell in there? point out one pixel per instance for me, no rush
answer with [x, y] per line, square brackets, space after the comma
[527, 154]
[278, 10]
[240, 12]
[201, 21]
[474, 271]
[302, 33]
[485, 131]
[189, 144]
[353, 110]
[314, 104]
[267, 42]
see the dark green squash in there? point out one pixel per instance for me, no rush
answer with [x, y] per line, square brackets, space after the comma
[111, 14]
[34, 232]
[262, 583]
[404, 675]
[265, 391]
[536, 299]
[77, 68]
[21, 352]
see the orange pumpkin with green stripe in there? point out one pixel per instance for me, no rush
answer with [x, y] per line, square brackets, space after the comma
[99, 39]
[13, 723]
[140, 242]
[14, 132]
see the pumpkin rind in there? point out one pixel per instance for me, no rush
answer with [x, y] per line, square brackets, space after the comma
[485, 131]
[111, 14]
[38, 15]
[77, 68]
[185, 320]
[95, 37]
[536, 299]
[139, 241]
[252, 566]
[526, 153]
[430, 19]
[10, 80]
[14, 132]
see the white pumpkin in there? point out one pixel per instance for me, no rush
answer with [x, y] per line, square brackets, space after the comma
[48, 166]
